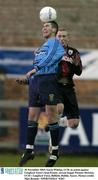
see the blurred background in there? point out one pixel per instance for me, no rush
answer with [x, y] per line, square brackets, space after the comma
[20, 35]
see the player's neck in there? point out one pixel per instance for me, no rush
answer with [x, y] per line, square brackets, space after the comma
[50, 37]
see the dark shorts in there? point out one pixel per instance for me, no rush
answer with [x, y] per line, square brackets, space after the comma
[43, 90]
[68, 98]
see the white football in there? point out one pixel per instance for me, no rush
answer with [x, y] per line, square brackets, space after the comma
[48, 14]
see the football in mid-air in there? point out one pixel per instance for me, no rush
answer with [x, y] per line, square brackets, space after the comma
[48, 14]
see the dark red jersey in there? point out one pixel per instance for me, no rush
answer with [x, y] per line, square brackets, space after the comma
[69, 65]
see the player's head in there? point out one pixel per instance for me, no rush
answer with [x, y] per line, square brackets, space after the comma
[50, 29]
[63, 36]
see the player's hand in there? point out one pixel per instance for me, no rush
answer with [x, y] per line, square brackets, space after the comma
[30, 73]
[22, 80]
[67, 59]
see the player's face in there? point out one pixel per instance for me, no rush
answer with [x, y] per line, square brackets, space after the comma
[62, 36]
[47, 30]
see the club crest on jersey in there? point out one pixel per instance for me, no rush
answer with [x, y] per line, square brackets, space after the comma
[70, 52]
[51, 97]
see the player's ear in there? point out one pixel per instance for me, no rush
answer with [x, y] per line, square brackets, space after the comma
[54, 31]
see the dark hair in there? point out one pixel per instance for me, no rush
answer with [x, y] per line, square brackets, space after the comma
[54, 25]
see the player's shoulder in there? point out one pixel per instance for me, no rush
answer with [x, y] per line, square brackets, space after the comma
[52, 40]
[71, 50]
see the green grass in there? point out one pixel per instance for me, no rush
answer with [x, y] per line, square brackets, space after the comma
[12, 159]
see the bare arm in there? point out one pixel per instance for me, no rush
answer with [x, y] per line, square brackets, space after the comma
[25, 79]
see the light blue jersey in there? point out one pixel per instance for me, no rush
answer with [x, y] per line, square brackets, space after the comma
[48, 56]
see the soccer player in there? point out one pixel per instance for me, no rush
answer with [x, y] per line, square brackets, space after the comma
[70, 64]
[43, 92]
